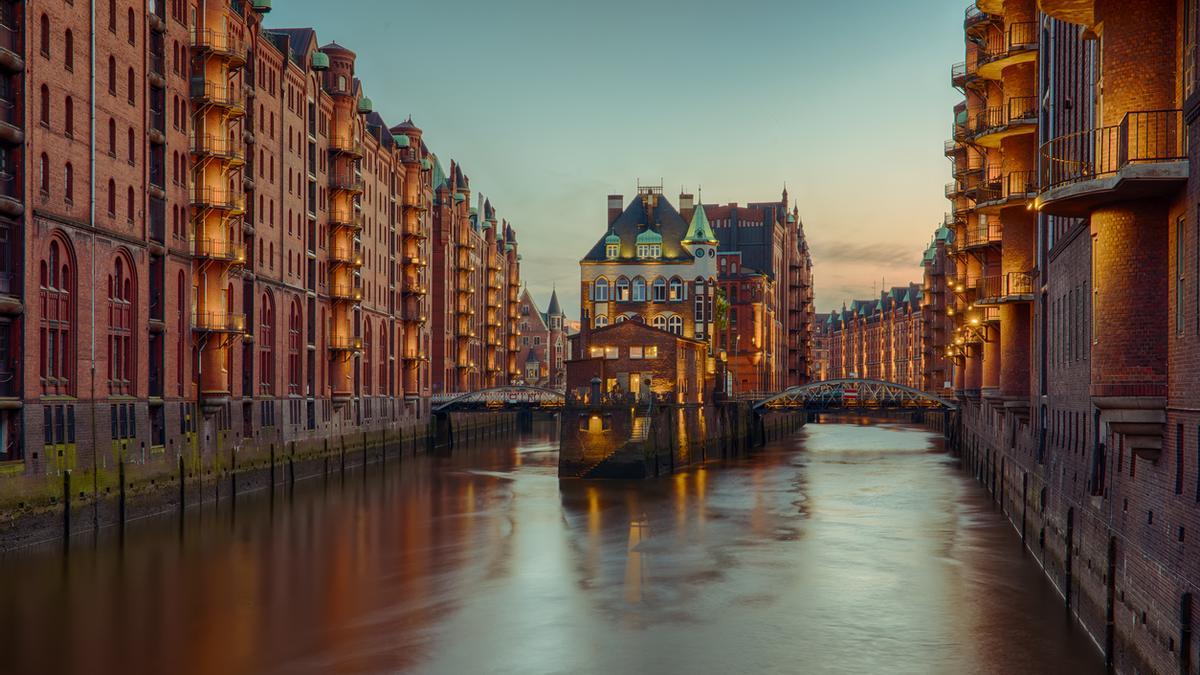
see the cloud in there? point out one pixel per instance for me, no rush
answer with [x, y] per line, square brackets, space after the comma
[875, 253]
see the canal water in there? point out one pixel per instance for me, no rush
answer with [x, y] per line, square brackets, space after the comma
[842, 549]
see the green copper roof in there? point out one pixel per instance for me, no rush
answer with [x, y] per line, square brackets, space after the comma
[458, 196]
[263, 6]
[426, 165]
[402, 140]
[320, 61]
[649, 236]
[612, 238]
[365, 106]
[439, 174]
[699, 231]
[944, 233]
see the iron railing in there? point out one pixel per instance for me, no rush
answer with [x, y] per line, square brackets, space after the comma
[1020, 36]
[346, 180]
[216, 146]
[219, 249]
[218, 198]
[1019, 109]
[226, 96]
[340, 343]
[219, 322]
[219, 42]
[981, 234]
[1141, 137]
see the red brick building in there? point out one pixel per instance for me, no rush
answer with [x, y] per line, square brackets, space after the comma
[880, 338]
[628, 355]
[1076, 302]
[239, 255]
[544, 345]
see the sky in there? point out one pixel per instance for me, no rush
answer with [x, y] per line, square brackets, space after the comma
[551, 105]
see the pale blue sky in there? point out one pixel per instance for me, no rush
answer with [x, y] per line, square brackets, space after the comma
[550, 105]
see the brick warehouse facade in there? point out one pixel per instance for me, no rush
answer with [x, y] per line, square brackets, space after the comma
[902, 336]
[227, 243]
[679, 269]
[1076, 303]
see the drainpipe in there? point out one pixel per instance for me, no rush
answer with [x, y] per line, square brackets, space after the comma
[92, 224]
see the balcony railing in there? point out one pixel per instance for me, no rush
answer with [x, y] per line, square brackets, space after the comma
[345, 255]
[1141, 137]
[344, 291]
[346, 180]
[219, 42]
[1019, 37]
[214, 93]
[345, 218]
[216, 146]
[219, 322]
[958, 74]
[219, 249]
[346, 145]
[981, 234]
[345, 344]
[217, 198]
[975, 16]
[1013, 185]
[1018, 110]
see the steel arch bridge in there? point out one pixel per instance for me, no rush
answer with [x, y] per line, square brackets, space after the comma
[854, 395]
[515, 397]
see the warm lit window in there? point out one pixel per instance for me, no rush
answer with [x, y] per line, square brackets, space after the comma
[635, 352]
[651, 352]
[622, 290]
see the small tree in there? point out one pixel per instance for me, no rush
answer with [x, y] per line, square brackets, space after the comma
[720, 310]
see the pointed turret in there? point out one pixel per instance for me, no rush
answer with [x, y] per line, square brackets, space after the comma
[700, 232]
[554, 309]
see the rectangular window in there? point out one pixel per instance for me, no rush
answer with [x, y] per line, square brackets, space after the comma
[635, 352]
[1178, 459]
[651, 352]
[611, 352]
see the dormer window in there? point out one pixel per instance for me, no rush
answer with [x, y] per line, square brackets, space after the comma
[649, 250]
[612, 250]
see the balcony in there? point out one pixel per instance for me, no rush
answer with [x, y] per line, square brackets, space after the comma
[338, 343]
[345, 292]
[223, 45]
[1015, 188]
[1009, 287]
[346, 145]
[975, 17]
[1017, 44]
[979, 235]
[346, 181]
[11, 202]
[221, 199]
[958, 74]
[412, 287]
[346, 218]
[345, 255]
[217, 147]
[1017, 116]
[10, 50]
[420, 203]
[218, 322]
[219, 249]
[208, 93]
[953, 147]
[1143, 156]
[1078, 12]
[11, 132]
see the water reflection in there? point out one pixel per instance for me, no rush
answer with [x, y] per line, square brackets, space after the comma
[841, 549]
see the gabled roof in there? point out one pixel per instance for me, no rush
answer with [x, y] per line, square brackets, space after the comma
[663, 219]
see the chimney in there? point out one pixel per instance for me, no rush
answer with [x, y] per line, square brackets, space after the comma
[687, 204]
[615, 207]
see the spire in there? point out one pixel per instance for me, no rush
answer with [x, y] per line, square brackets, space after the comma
[554, 309]
[700, 232]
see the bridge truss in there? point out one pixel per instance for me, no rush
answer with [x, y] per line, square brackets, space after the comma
[498, 399]
[853, 394]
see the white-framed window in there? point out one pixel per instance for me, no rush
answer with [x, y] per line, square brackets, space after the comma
[659, 321]
[660, 290]
[622, 290]
[635, 352]
[601, 320]
[612, 250]
[675, 325]
[600, 290]
[678, 290]
[639, 289]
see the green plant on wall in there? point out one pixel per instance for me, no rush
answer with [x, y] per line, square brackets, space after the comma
[721, 310]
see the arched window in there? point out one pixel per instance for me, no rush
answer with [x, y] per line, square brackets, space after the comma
[266, 346]
[659, 322]
[366, 357]
[132, 28]
[112, 197]
[600, 290]
[112, 75]
[601, 320]
[121, 304]
[112, 137]
[44, 105]
[678, 290]
[181, 319]
[69, 182]
[295, 322]
[385, 382]
[56, 350]
[129, 205]
[69, 117]
[112, 15]
[44, 174]
[132, 93]
[44, 35]
[622, 290]
[675, 325]
[660, 290]
[621, 318]
[69, 50]
[132, 149]
[639, 289]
